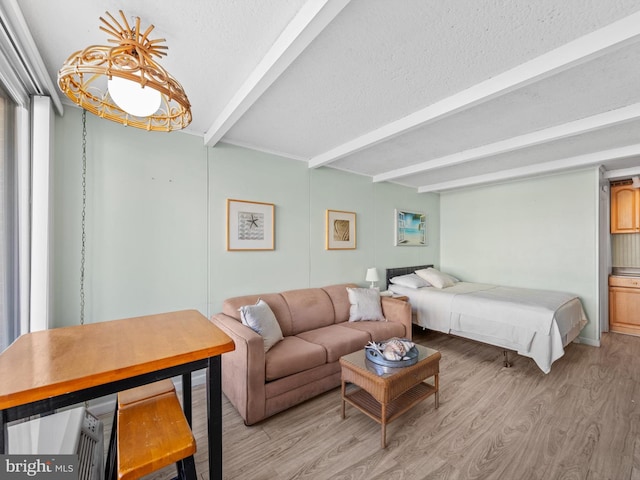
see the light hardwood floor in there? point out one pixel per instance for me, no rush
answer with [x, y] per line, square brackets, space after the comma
[581, 421]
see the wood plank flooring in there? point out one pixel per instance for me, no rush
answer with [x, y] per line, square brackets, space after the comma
[581, 421]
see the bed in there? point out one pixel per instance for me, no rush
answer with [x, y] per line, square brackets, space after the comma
[535, 323]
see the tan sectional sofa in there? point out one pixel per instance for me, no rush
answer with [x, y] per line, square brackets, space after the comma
[316, 330]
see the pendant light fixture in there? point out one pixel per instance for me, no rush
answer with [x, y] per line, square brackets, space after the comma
[124, 83]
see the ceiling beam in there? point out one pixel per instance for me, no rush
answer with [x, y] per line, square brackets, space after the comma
[586, 160]
[312, 19]
[588, 47]
[622, 173]
[558, 132]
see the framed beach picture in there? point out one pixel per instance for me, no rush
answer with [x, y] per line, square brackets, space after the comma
[341, 230]
[411, 228]
[250, 225]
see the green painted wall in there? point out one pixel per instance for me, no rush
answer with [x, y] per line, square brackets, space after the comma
[539, 233]
[243, 174]
[156, 226]
[301, 197]
[156, 222]
[146, 223]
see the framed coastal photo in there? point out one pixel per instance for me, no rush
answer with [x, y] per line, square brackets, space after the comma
[341, 230]
[410, 229]
[250, 225]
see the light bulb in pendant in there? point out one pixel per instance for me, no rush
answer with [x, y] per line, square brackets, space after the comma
[131, 97]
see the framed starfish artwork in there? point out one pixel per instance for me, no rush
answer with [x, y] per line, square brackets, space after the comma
[250, 225]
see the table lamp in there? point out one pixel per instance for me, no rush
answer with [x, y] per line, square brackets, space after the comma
[372, 276]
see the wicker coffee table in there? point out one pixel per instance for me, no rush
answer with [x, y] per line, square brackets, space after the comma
[386, 393]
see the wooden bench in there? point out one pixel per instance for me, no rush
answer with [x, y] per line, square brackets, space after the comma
[153, 433]
[125, 398]
[133, 395]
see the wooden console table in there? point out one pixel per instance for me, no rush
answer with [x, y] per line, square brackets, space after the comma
[386, 393]
[46, 370]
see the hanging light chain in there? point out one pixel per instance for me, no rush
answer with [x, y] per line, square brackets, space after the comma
[84, 212]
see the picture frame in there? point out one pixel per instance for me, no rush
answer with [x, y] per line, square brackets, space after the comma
[410, 228]
[250, 225]
[340, 230]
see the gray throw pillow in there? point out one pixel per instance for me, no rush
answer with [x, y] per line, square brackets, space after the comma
[365, 304]
[260, 319]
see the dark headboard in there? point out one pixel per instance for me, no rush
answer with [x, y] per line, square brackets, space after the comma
[394, 272]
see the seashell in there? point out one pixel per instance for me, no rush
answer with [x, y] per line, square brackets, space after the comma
[394, 349]
[389, 354]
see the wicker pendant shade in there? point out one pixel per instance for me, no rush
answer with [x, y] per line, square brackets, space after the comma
[85, 76]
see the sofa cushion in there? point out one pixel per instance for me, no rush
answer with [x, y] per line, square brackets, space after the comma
[365, 304]
[299, 382]
[340, 300]
[261, 320]
[292, 355]
[378, 331]
[310, 308]
[275, 301]
[337, 340]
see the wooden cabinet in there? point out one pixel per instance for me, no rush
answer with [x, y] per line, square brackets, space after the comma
[624, 304]
[625, 209]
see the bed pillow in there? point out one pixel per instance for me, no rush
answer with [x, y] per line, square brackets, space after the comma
[453, 279]
[260, 319]
[410, 281]
[435, 277]
[365, 304]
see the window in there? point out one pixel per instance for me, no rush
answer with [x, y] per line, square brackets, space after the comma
[26, 98]
[9, 291]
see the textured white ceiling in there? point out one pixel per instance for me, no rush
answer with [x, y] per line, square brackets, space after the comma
[374, 86]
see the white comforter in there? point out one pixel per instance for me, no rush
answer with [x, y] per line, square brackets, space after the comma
[532, 322]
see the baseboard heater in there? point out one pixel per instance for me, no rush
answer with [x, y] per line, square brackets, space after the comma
[63, 433]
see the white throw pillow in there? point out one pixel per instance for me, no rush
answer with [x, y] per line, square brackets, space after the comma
[410, 281]
[261, 320]
[435, 277]
[365, 304]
